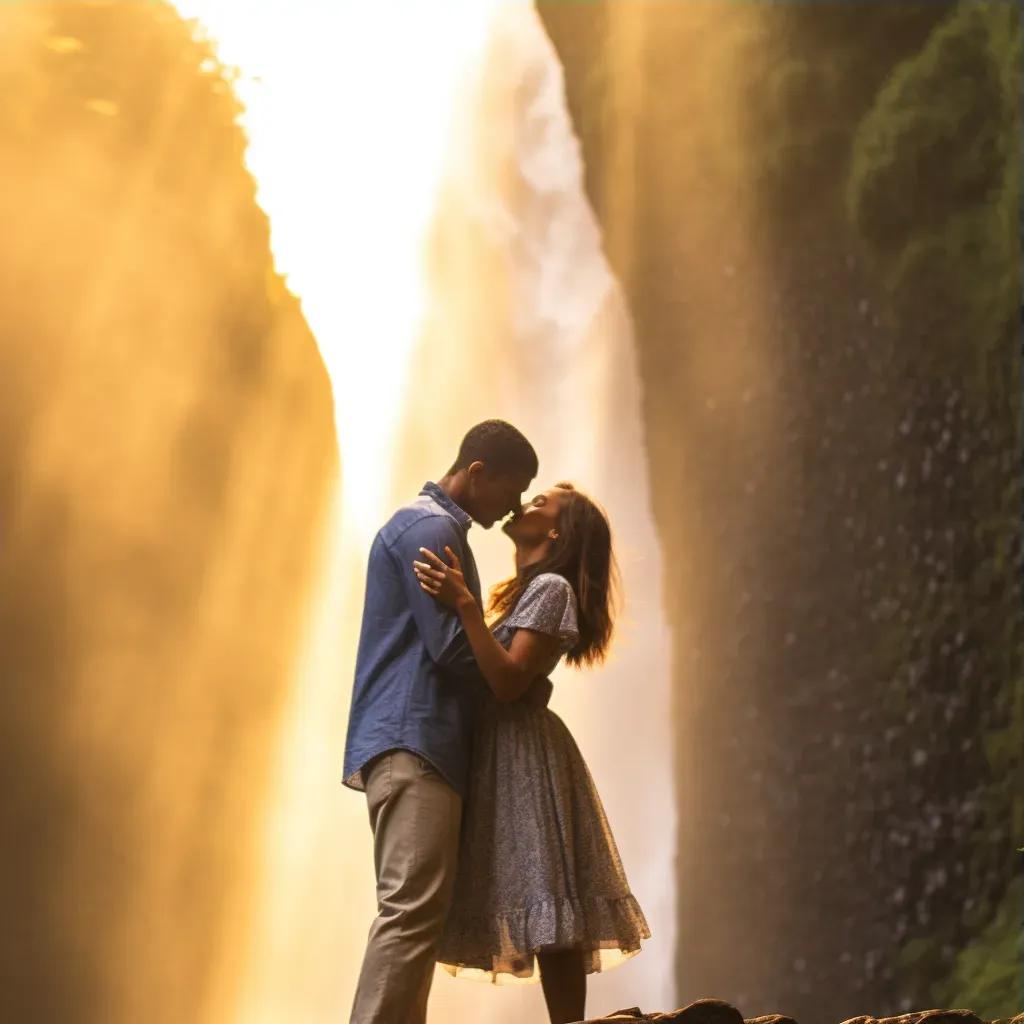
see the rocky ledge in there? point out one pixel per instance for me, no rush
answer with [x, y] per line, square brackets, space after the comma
[715, 1011]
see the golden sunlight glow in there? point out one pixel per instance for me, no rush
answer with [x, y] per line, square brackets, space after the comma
[425, 191]
[348, 112]
[347, 109]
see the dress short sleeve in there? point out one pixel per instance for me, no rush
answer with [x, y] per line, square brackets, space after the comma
[548, 605]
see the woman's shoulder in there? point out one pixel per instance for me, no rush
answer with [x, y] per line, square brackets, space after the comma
[548, 605]
[546, 595]
[549, 583]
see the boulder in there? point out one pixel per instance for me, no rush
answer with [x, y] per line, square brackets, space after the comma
[717, 1011]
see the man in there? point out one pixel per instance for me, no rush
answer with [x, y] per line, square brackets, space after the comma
[410, 728]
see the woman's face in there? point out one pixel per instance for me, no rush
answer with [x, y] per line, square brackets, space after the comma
[538, 518]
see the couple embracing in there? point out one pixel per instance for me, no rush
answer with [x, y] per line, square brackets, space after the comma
[493, 855]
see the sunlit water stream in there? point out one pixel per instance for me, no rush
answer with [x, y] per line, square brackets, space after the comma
[425, 192]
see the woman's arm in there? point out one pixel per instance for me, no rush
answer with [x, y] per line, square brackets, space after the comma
[437, 624]
[508, 673]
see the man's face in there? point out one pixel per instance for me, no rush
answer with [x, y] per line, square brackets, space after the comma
[494, 496]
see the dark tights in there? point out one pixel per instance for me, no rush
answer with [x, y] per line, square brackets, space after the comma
[565, 984]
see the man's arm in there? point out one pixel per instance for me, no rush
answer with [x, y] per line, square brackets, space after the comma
[440, 627]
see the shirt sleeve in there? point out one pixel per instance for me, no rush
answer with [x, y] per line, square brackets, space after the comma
[548, 605]
[439, 626]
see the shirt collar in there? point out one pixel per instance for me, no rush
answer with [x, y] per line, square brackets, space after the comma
[437, 493]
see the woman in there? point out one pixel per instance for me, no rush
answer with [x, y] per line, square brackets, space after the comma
[539, 881]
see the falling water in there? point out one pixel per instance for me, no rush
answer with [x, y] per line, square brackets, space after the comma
[527, 318]
[451, 268]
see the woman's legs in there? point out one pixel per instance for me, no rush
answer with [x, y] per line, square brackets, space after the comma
[565, 984]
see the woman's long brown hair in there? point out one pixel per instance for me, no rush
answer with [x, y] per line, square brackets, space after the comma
[582, 554]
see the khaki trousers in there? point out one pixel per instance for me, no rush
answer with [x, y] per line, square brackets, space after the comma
[415, 816]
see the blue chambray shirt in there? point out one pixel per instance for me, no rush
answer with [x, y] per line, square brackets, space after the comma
[417, 683]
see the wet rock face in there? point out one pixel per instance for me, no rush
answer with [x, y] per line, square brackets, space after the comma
[824, 456]
[716, 1011]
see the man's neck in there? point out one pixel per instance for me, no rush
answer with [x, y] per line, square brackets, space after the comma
[454, 487]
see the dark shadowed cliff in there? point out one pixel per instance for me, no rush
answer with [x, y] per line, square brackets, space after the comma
[814, 210]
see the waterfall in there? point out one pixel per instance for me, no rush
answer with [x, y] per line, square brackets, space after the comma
[426, 197]
[527, 322]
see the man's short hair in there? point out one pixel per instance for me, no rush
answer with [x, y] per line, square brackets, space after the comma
[502, 448]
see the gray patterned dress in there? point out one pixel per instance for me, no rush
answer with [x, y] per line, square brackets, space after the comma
[538, 867]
